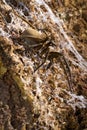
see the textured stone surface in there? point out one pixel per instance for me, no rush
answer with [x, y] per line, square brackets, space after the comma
[42, 100]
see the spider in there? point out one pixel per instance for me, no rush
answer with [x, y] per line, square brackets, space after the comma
[40, 45]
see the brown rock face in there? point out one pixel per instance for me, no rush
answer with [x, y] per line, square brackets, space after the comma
[42, 100]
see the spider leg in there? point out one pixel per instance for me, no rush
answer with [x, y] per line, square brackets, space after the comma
[46, 57]
[66, 69]
[49, 65]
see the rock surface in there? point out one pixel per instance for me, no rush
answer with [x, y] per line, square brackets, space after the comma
[42, 100]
